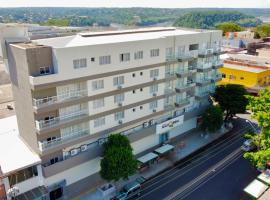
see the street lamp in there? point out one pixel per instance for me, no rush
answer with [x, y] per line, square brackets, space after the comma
[254, 128]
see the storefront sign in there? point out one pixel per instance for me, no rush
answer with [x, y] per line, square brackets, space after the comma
[170, 124]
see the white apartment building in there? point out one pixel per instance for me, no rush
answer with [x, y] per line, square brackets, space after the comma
[72, 92]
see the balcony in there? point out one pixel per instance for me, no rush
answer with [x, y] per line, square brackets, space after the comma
[184, 87]
[169, 74]
[181, 103]
[180, 57]
[62, 140]
[216, 78]
[202, 95]
[218, 51]
[206, 53]
[42, 124]
[217, 64]
[203, 81]
[38, 103]
[204, 67]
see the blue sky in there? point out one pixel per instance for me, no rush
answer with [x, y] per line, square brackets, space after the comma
[138, 3]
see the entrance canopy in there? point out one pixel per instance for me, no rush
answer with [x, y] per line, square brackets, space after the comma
[256, 188]
[164, 149]
[147, 158]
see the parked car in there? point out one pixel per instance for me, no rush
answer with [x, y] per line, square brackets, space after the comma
[248, 146]
[129, 191]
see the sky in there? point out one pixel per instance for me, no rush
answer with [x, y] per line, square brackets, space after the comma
[138, 3]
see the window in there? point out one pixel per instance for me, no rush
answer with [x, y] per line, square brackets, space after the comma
[44, 70]
[134, 109]
[138, 55]
[119, 98]
[153, 105]
[99, 122]
[54, 160]
[104, 60]
[22, 175]
[153, 88]
[154, 52]
[124, 57]
[79, 63]
[133, 75]
[141, 107]
[232, 77]
[242, 78]
[169, 51]
[98, 84]
[141, 89]
[154, 73]
[134, 91]
[223, 75]
[119, 80]
[193, 47]
[119, 115]
[141, 73]
[98, 103]
[92, 59]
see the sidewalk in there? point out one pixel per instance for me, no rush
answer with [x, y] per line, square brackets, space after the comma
[184, 144]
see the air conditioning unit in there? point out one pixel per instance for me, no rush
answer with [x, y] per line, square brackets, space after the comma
[119, 87]
[84, 147]
[74, 152]
[154, 94]
[151, 122]
[120, 122]
[120, 104]
[154, 110]
[145, 124]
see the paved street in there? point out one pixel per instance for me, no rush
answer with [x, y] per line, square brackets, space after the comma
[216, 172]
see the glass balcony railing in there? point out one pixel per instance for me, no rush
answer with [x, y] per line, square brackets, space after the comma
[181, 102]
[204, 66]
[41, 124]
[216, 77]
[180, 57]
[217, 64]
[206, 52]
[202, 94]
[184, 87]
[55, 99]
[61, 140]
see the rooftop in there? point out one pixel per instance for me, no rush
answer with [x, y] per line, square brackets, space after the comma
[252, 69]
[97, 38]
[14, 154]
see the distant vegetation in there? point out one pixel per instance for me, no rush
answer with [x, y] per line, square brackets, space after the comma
[210, 19]
[229, 27]
[263, 30]
[191, 17]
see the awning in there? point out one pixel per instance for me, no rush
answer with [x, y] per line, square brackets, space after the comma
[256, 188]
[164, 149]
[265, 177]
[34, 194]
[148, 157]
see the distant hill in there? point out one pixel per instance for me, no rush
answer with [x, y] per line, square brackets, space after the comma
[122, 16]
[209, 19]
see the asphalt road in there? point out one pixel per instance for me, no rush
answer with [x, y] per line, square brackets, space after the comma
[217, 171]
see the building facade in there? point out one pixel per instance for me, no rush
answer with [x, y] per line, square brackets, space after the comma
[72, 92]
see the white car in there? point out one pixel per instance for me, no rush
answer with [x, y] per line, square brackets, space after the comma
[248, 146]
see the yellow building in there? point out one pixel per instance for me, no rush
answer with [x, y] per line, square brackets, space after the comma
[253, 77]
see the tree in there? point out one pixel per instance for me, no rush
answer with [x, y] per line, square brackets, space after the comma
[212, 119]
[263, 30]
[231, 99]
[229, 27]
[260, 107]
[118, 161]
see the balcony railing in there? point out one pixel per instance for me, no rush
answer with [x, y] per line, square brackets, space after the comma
[217, 64]
[206, 52]
[203, 81]
[181, 102]
[216, 77]
[57, 120]
[184, 87]
[61, 140]
[180, 57]
[202, 94]
[204, 66]
[55, 99]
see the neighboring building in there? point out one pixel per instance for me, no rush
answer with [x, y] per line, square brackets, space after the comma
[72, 92]
[246, 71]
[238, 40]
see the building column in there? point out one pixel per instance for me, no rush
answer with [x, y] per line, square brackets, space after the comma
[7, 186]
[40, 175]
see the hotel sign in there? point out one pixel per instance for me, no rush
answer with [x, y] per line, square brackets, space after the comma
[170, 124]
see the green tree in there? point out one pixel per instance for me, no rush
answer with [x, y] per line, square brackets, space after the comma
[231, 99]
[212, 119]
[229, 27]
[57, 22]
[118, 161]
[263, 30]
[260, 107]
